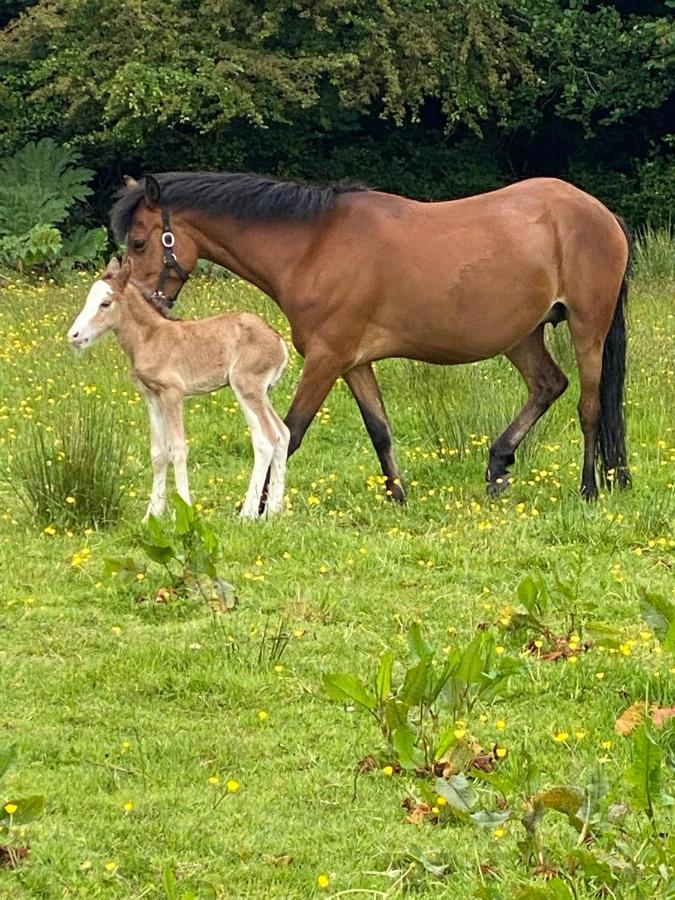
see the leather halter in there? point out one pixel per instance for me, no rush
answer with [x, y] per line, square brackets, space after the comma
[170, 263]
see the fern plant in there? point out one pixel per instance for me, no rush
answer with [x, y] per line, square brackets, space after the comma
[39, 186]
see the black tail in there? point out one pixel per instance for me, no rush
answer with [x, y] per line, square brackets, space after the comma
[611, 446]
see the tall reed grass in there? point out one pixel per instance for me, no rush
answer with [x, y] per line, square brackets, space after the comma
[69, 473]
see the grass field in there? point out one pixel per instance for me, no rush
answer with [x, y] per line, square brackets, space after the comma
[136, 719]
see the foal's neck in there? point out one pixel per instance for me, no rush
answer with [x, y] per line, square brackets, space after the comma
[138, 324]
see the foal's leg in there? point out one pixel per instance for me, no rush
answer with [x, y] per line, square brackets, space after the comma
[172, 407]
[319, 374]
[159, 453]
[277, 470]
[366, 391]
[252, 399]
[545, 383]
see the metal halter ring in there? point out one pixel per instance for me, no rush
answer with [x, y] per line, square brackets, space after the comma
[168, 239]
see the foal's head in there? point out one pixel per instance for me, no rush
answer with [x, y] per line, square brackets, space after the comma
[103, 307]
[161, 250]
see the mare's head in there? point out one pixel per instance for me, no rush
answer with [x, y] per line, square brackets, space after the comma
[103, 307]
[161, 250]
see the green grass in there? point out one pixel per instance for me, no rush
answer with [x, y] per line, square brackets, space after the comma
[112, 699]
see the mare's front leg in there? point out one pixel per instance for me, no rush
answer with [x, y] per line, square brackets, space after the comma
[159, 452]
[363, 385]
[172, 408]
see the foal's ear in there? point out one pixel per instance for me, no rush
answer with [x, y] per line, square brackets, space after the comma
[152, 191]
[112, 269]
[129, 181]
[123, 275]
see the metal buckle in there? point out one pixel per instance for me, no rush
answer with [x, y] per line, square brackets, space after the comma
[168, 239]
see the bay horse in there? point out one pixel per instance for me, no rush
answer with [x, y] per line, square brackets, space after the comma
[173, 359]
[363, 275]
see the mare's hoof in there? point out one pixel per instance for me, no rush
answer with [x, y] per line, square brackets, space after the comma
[495, 487]
[396, 492]
[589, 493]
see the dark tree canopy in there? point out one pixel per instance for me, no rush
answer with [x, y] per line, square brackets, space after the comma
[422, 97]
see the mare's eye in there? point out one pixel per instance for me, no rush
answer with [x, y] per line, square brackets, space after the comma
[104, 304]
[138, 245]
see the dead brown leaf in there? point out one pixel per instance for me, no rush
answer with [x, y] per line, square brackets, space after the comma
[10, 857]
[630, 719]
[418, 811]
[660, 715]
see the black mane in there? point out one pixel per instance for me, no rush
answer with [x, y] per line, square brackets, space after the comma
[243, 196]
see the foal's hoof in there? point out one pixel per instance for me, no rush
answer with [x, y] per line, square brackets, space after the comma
[495, 487]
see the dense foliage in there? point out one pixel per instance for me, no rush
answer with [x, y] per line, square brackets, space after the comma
[423, 97]
[41, 192]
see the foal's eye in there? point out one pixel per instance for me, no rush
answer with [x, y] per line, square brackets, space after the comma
[138, 245]
[104, 304]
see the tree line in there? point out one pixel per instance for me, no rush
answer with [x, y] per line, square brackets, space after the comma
[430, 98]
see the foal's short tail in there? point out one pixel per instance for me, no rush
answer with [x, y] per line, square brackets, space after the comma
[611, 445]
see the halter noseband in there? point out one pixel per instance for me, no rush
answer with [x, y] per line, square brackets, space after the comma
[170, 263]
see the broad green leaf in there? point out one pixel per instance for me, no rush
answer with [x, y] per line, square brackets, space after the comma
[383, 680]
[590, 866]
[156, 531]
[472, 661]
[210, 541]
[416, 642]
[490, 818]
[185, 515]
[347, 688]
[658, 613]
[644, 774]
[669, 643]
[169, 884]
[27, 808]
[414, 687]
[395, 714]
[458, 792]
[445, 740]
[403, 742]
[7, 759]
[161, 555]
[126, 566]
[528, 595]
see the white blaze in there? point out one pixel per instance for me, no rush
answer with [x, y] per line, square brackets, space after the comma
[81, 332]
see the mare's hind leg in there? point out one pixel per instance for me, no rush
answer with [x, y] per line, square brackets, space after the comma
[588, 348]
[545, 383]
[363, 385]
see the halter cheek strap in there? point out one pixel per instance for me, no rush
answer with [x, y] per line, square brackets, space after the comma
[170, 262]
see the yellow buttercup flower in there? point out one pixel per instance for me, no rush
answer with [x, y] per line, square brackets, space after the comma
[233, 786]
[560, 736]
[323, 881]
[11, 808]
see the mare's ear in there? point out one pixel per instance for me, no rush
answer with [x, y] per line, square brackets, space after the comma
[129, 181]
[152, 191]
[112, 269]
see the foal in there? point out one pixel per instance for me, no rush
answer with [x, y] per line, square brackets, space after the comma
[172, 359]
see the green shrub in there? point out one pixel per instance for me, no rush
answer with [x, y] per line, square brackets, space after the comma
[69, 475]
[655, 254]
[39, 187]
